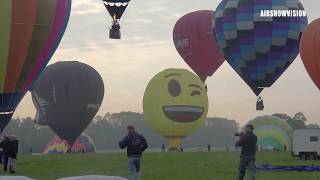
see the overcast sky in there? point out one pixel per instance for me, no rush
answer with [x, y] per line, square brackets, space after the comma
[146, 48]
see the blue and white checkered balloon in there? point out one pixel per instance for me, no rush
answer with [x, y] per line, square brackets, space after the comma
[258, 47]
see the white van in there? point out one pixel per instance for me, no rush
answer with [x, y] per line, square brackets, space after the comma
[306, 143]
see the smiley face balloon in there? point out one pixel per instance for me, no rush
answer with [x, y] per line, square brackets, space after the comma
[175, 104]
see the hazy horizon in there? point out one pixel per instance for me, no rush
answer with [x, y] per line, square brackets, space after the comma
[146, 48]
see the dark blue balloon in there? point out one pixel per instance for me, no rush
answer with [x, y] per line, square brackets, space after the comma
[258, 48]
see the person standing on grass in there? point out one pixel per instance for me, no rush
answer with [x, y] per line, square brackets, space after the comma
[163, 148]
[135, 144]
[1, 149]
[5, 144]
[248, 144]
[12, 151]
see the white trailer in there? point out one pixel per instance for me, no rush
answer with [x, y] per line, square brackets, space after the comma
[306, 143]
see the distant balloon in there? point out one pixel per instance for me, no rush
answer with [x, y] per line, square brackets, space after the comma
[67, 96]
[116, 9]
[175, 103]
[196, 44]
[272, 132]
[30, 32]
[310, 50]
[258, 48]
[83, 144]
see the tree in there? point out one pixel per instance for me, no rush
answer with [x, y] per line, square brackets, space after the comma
[300, 117]
[296, 124]
[282, 116]
[106, 131]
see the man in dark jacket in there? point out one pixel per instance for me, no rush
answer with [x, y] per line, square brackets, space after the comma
[12, 151]
[135, 144]
[248, 144]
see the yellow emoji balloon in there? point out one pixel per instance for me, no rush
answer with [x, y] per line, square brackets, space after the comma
[175, 104]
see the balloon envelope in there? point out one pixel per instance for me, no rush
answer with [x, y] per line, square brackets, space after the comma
[175, 104]
[272, 132]
[310, 50]
[30, 32]
[116, 7]
[70, 94]
[196, 44]
[83, 144]
[258, 48]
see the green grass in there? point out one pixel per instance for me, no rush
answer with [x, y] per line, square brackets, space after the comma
[159, 166]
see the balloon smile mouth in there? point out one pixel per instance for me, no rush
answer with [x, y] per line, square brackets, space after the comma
[183, 114]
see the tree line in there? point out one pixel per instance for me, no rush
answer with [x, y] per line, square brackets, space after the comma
[107, 130]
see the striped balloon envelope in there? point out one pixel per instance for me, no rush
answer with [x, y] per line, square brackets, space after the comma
[83, 144]
[272, 132]
[30, 32]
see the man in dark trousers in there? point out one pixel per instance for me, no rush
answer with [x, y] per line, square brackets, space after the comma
[248, 144]
[135, 144]
[5, 144]
[1, 149]
[163, 148]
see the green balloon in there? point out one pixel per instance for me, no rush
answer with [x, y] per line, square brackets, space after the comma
[272, 132]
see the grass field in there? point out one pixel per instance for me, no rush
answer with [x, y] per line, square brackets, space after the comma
[158, 166]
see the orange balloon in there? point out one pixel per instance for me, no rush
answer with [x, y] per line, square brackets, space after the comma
[310, 50]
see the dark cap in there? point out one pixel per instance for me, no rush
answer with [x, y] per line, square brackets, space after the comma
[249, 126]
[130, 128]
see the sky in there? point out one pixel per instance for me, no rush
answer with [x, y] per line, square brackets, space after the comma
[146, 48]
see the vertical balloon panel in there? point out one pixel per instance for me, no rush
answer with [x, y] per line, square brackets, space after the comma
[30, 32]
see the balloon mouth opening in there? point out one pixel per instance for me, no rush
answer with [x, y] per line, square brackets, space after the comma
[116, 4]
[6, 112]
[183, 114]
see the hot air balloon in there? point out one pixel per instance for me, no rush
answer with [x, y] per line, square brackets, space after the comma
[175, 104]
[309, 50]
[115, 8]
[196, 44]
[30, 32]
[83, 144]
[258, 48]
[272, 132]
[69, 95]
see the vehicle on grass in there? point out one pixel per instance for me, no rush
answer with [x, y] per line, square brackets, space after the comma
[306, 143]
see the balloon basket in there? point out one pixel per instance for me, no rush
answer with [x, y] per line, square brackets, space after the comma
[173, 144]
[259, 104]
[114, 34]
